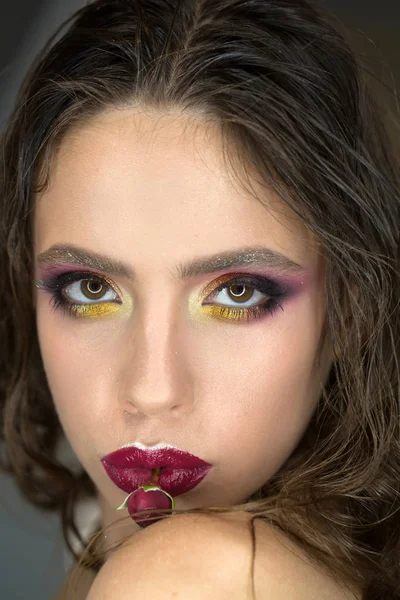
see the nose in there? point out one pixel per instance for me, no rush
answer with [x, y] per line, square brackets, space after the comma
[156, 378]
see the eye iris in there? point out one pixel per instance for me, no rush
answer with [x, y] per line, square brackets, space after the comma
[87, 286]
[239, 292]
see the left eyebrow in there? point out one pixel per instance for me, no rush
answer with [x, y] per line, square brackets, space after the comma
[258, 256]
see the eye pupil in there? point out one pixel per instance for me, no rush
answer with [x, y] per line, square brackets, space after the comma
[239, 292]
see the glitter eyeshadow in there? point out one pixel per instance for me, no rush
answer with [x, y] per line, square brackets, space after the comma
[95, 310]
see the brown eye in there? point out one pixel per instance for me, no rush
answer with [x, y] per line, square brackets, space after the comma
[93, 289]
[240, 292]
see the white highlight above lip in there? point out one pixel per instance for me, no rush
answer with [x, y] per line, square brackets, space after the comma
[158, 446]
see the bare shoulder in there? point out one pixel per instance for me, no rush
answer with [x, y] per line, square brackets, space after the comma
[210, 556]
[184, 556]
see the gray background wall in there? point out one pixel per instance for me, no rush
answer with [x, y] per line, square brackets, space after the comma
[31, 545]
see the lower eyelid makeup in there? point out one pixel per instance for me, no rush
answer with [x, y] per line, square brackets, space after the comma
[103, 309]
[231, 313]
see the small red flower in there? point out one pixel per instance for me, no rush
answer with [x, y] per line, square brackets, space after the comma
[147, 498]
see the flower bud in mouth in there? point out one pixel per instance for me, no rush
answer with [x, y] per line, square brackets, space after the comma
[148, 498]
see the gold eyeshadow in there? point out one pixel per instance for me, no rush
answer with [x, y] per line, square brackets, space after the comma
[227, 313]
[96, 311]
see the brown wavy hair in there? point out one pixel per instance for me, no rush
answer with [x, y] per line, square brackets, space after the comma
[293, 101]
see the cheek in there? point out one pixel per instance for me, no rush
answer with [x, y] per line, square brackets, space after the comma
[67, 365]
[261, 388]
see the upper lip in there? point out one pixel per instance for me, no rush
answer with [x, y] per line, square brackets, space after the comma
[153, 459]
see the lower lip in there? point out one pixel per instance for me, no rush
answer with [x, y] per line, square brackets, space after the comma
[173, 481]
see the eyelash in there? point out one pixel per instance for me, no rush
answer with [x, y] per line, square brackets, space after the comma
[271, 288]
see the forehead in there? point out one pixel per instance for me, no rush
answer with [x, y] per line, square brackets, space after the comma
[157, 171]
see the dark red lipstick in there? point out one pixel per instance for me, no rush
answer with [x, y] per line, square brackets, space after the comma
[131, 467]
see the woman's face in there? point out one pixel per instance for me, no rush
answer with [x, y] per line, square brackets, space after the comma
[163, 356]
